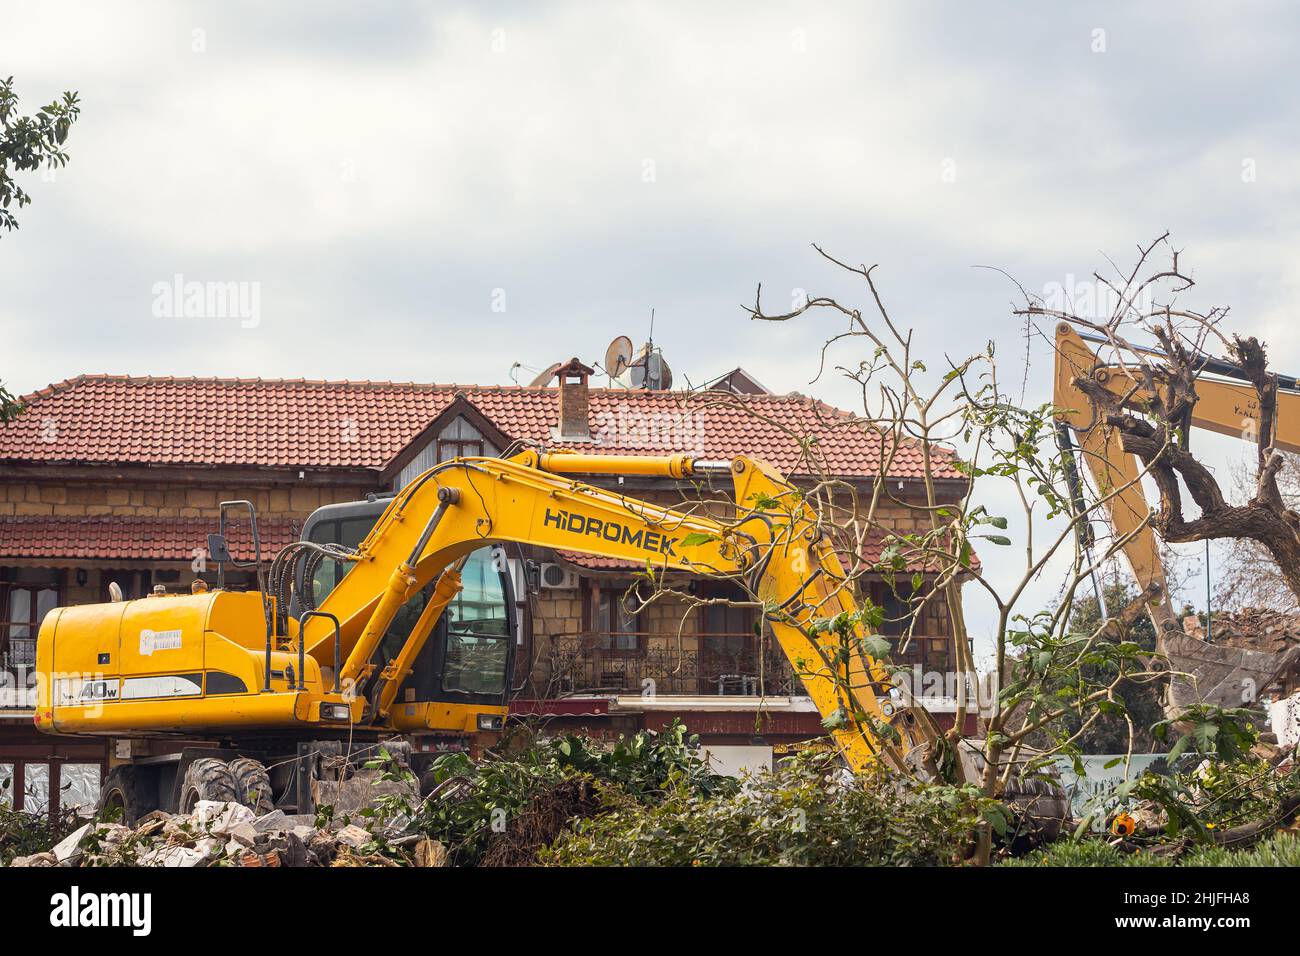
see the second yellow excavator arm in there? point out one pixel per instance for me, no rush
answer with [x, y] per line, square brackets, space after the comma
[1226, 407]
[775, 543]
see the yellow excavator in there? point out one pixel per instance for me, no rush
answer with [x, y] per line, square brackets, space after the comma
[272, 684]
[1226, 403]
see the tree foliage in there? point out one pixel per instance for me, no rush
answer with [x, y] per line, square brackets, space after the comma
[806, 813]
[30, 142]
[1140, 700]
[27, 143]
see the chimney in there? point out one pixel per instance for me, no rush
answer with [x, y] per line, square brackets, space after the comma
[574, 422]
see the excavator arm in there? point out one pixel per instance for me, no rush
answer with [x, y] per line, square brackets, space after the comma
[1216, 674]
[1115, 473]
[775, 543]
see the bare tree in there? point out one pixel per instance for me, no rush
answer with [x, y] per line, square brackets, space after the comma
[1246, 575]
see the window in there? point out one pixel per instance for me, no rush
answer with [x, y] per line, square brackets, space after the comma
[36, 788]
[26, 596]
[79, 786]
[134, 583]
[478, 629]
[615, 628]
[728, 644]
[349, 532]
[6, 785]
[894, 601]
[460, 439]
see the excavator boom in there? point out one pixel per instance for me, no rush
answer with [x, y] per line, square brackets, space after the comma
[1214, 674]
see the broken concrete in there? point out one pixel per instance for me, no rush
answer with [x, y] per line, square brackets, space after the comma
[230, 834]
[69, 848]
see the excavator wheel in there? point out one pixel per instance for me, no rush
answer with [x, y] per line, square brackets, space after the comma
[121, 798]
[254, 784]
[208, 778]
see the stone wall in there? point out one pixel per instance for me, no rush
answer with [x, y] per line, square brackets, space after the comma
[670, 625]
[82, 499]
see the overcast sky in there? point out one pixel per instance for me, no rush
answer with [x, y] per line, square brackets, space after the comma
[389, 177]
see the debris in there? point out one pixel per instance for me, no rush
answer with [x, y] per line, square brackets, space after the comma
[361, 790]
[69, 849]
[545, 817]
[36, 859]
[353, 836]
[229, 834]
[222, 818]
[1252, 648]
[172, 854]
[430, 853]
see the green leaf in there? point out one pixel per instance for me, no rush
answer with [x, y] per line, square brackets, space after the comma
[835, 720]
[876, 646]
[1177, 749]
[697, 538]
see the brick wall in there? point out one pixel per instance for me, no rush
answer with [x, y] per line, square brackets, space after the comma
[165, 500]
[151, 499]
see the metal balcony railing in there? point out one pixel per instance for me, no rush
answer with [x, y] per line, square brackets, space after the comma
[688, 664]
[16, 651]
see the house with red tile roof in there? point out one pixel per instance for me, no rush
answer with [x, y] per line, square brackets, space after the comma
[115, 480]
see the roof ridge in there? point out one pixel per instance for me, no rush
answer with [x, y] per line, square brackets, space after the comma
[126, 379]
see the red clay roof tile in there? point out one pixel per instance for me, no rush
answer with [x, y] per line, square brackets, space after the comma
[162, 539]
[366, 425]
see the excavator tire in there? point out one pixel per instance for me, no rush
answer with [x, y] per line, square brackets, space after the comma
[123, 794]
[208, 778]
[254, 784]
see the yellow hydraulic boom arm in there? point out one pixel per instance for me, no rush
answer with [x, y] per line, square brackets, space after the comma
[776, 542]
[1226, 407]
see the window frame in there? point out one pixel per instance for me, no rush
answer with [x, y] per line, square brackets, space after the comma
[8, 585]
[605, 633]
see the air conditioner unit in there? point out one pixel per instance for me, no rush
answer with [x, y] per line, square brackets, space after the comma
[558, 576]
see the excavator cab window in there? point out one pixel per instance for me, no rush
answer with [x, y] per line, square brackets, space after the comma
[469, 656]
[348, 531]
[477, 645]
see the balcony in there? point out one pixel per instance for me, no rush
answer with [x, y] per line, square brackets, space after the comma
[16, 651]
[17, 667]
[687, 664]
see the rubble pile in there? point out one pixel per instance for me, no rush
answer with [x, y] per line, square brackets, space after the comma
[230, 834]
[1257, 629]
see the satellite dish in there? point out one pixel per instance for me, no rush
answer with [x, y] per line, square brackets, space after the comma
[618, 356]
[650, 371]
[545, 377]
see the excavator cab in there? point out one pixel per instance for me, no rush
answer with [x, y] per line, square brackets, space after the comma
[468, 660]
